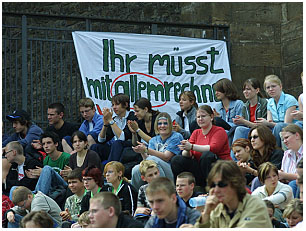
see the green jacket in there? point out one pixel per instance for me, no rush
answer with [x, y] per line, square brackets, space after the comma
[251, 213]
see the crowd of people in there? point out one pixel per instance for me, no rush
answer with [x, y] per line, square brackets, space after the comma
[141, 168]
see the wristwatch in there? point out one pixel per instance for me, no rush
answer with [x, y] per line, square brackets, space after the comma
[111, 122]
[138, 130]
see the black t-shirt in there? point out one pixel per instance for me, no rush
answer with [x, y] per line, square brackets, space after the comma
[66, 130]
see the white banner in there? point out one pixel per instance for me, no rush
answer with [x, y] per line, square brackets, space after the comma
[157, 67]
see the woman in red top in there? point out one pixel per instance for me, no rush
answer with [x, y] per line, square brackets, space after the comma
[205, 146]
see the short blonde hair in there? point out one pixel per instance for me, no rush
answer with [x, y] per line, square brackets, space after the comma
[272, 78]
[145, 165]
[84, 218]
[295, 205]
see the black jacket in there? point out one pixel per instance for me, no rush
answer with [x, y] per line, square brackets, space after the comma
[12, 176]
[128, 197]
[125, 221]
[86, 198]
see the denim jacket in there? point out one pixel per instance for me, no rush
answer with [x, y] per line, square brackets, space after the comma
[235, 108]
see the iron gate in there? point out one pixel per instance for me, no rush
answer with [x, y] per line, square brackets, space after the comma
[39, 64]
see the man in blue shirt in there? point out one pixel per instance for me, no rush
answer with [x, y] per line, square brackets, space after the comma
[91, 126]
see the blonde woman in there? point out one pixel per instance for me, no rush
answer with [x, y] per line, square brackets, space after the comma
[279, 107]
[114, 174]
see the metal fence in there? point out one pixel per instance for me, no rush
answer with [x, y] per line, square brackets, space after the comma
[39, 64]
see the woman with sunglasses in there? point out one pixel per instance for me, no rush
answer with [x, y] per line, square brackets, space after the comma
[263, 149]
[204, 147]
[114, 174]
[279, 107]
[94, 183]
[186, 115]
[228, 204]
[162, 148]
[255, 107]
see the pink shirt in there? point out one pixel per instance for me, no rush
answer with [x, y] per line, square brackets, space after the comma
[290, 161]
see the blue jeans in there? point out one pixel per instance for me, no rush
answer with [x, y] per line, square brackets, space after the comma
[164, 170]
[255, 183]
[276, 130]
[15, 224]
[295, 189]
[240, 132]
[49, 178]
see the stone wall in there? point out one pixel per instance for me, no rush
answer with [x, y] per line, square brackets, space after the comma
[265, 38]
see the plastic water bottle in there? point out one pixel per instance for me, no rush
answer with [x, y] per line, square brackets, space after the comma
[197, 201]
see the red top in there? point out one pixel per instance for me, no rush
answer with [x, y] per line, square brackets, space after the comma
[252, 113]
[216, 138]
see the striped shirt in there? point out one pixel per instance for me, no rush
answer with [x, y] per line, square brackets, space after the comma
[291, 159]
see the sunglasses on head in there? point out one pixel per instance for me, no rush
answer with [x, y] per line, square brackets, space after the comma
[220, 184]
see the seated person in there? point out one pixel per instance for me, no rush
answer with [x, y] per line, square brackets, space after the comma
[83, 221]
[186, 115]
[293, 139]
[271, 209]
[57, 125]
[293, 213]
[105, 212]
[242, 151]
[149, 171]
[204, 147]
[25, 131]
[114, 174]
[185, 183]
[278, 193]
[169, 209]
[37, 219]
[162, 148]
[73, 202]
[91, 126]
[25, 200]
[55, 161]
[94, 183]
[228, 204]
[14, 154]
[115, 134]
[229, 106]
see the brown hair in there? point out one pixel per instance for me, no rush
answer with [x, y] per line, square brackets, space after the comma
[293, 128]
[167, 116]
[20, 194]
[191, 97]
[40, 218]
[122, 99]
[207, 109]
[188, 175]
[242, 143]
[254, 83]
[265, 134]
[161, 184]
[227, 87]
[264, 169]
[107, 200]
[229, 173]
[86, 102]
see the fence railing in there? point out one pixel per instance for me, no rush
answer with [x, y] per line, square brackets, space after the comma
[39, 64]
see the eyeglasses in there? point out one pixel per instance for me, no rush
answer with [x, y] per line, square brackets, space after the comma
[87, 179]
[162, 123]
[23, 206]
[7, 152]
[220, 184]
[254, 137]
